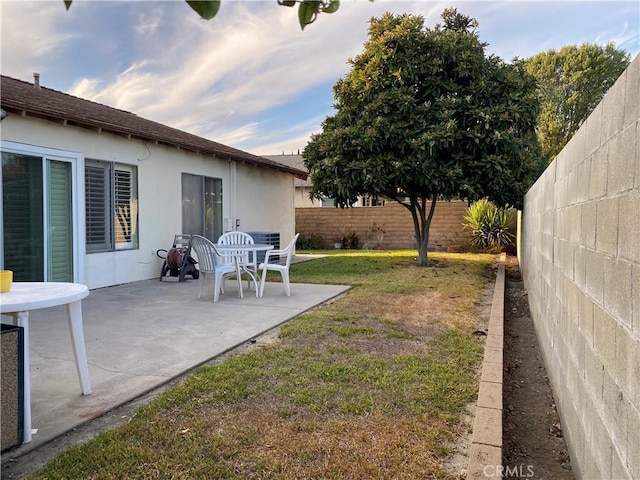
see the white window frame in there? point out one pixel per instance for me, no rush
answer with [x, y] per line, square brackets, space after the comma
[113, 243]
[77, 178]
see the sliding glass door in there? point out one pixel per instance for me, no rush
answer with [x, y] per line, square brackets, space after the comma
[37, 217]
[202, 206]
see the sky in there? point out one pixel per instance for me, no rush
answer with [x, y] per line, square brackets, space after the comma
[250, 78]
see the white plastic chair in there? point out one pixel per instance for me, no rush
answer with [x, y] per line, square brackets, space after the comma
[282, 268]
[248, 260]
[209, 262]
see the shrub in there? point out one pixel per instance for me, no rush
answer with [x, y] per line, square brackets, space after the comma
[312, 242]
[350, 240]
[489, 226]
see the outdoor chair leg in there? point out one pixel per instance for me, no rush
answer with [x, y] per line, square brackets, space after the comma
[200, 282]
[285, 280]
[263, 278]
[217, 288]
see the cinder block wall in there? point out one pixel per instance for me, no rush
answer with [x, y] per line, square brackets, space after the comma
[446, 225]
[581, 265]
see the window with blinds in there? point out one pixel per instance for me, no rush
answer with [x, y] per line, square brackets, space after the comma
[111, 197]
[59, 222]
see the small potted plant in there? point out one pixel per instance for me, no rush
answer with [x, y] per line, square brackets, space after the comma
[337, 241]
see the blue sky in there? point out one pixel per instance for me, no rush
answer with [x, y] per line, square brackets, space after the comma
[250, 78]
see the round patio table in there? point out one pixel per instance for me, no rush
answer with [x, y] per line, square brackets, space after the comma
[238, 251]
[26, 296]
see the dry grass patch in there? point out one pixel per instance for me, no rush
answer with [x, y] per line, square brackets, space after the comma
[425, 312]
[337, 446]
[372, 386]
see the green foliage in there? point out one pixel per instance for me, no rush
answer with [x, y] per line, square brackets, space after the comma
[207, 9]
[312, 242]
[572, 82]
[350, 240]
[424, 114]
[490, 226]
[308, 10]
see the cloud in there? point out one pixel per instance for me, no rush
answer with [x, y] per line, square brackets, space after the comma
[229, 72]
[625, 37]
[289, 138]
[148, 22]
[237, 135]
[289, 145]
[223, 78]
[30, 36]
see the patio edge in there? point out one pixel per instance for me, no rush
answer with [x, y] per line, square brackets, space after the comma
[93, 426]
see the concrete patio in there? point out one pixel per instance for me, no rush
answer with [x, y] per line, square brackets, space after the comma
[138, 337]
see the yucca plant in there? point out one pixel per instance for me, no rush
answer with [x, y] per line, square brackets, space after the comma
[489, 226]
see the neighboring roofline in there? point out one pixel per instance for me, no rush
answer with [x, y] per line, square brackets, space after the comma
[27, 99]
[294, 161]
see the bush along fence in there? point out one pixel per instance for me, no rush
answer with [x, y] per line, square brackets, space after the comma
[383, 227]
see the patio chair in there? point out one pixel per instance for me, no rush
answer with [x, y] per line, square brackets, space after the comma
[249, 259]
[278, 267]
[209, 262]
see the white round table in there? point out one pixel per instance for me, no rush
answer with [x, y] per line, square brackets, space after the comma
[238, 251]
[26, 296]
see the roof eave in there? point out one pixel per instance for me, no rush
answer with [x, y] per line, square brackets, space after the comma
[102, 127]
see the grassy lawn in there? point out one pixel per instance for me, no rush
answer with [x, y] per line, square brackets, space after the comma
[371, 386]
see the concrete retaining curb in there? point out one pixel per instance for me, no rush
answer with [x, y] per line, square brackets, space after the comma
[485, 454]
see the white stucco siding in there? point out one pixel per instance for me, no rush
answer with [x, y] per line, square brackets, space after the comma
[303, 200]
[265, 201]
[160, 213]
[261, 198]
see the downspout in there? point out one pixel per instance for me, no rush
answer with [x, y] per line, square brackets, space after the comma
[230, 220]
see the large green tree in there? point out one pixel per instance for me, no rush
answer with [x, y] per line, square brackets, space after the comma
[572, 82]
[424, 114]
[308, 10]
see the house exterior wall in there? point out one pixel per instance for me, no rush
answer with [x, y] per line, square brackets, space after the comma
[261, 198]
[581, 266]
[265, 202]
[302, 199]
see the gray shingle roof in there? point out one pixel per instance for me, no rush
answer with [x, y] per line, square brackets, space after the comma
[294, 161]
[17, 96]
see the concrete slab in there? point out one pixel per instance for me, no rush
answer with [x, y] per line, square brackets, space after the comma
[140, 336]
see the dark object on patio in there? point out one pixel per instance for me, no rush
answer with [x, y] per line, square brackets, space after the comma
[178, 261]
[12, 390]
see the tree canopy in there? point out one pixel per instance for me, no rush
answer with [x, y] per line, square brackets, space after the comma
[423, 115]
[308, 10]
[572, 82]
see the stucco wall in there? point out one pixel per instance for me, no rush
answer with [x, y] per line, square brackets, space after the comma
[262, 199]
[302, 199]
[265, 201]
[446, 225]
[581, 265]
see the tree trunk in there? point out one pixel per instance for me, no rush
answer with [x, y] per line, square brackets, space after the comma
[421, 224]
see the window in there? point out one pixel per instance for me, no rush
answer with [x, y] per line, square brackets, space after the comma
[202, 206]
[369, 201]
[327, 202]
[111, 191]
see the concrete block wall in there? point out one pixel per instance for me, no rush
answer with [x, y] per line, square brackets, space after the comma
[446, 225]
[580, 258]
